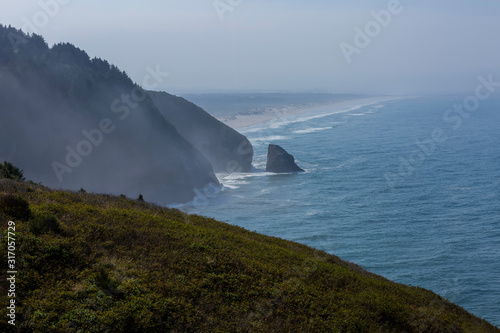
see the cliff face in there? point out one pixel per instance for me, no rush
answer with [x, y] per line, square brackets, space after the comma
[225, 148]
[73, 122]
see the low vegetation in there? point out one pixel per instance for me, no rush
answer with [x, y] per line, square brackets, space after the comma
[100, 263]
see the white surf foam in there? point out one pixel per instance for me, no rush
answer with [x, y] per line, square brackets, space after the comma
[292, 119]
[312, 130]
[268, 138]
[324, 112]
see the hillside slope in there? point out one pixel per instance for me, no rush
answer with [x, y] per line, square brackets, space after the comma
[74, 122]
[227, 150]
[110, 264]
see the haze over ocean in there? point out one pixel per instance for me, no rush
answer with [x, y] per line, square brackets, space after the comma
[378, 191]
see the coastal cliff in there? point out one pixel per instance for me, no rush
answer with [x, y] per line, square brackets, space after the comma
[75, 122]
[227, 150]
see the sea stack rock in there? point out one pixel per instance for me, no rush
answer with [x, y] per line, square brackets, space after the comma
[279, 161]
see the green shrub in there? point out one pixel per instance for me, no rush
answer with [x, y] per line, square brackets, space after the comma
[15, 207]
[106, 283]
[44, 223]
[9, 171]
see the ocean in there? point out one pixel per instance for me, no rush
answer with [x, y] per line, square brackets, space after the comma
[405, 188]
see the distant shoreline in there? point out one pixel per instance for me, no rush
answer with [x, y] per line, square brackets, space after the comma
[238, 121]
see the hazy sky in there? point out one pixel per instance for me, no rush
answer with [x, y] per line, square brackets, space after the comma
[426, 46]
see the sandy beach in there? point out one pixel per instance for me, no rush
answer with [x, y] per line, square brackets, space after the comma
[238, 121]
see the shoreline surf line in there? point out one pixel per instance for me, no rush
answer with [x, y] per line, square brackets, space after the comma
[238, 121]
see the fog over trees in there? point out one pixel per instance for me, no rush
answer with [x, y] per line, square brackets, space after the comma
[71, 122]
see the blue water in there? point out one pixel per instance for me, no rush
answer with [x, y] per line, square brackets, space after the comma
[434, 224]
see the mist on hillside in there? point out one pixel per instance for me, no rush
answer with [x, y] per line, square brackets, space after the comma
[71, 122]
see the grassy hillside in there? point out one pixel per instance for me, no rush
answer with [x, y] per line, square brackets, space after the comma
[99, 263]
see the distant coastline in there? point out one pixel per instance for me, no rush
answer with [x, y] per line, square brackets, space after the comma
[242, 120]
